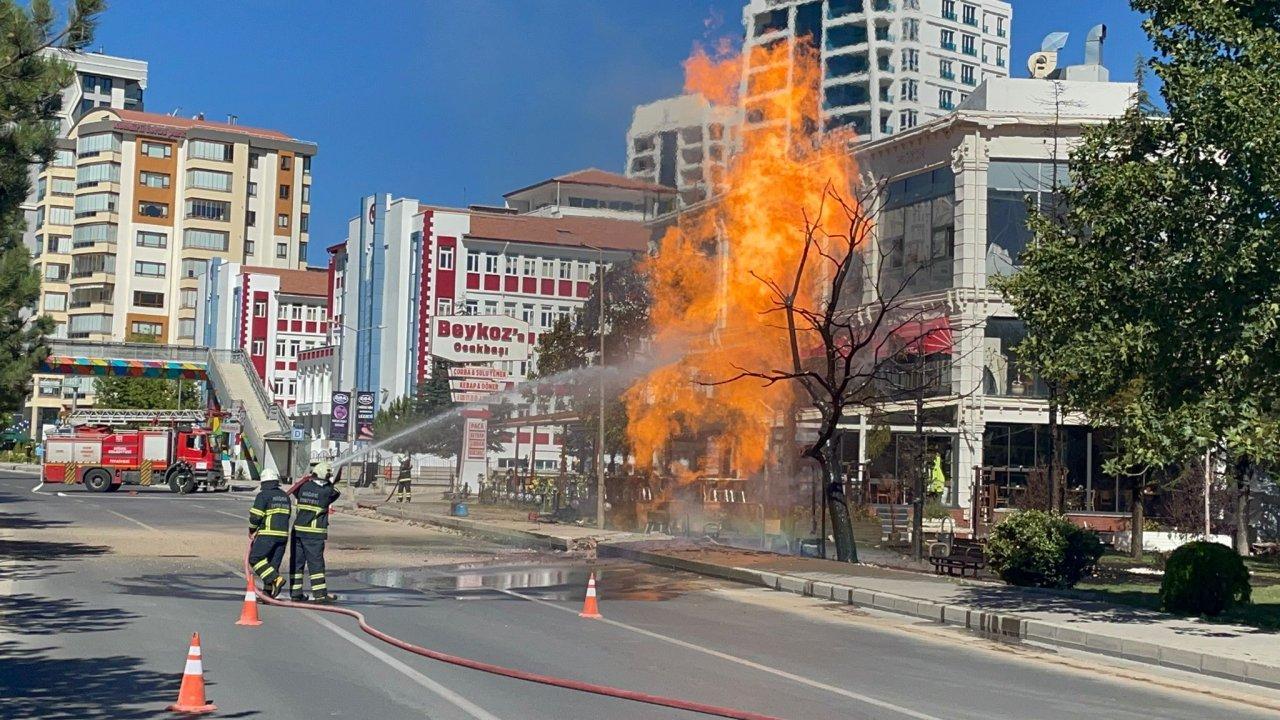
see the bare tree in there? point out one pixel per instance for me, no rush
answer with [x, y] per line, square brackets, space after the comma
[843, 322]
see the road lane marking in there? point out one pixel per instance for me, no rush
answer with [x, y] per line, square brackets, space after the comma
[883, 704]
[403, 668]
[135, 522]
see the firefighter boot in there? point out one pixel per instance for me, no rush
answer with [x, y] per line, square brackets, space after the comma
[274, 589]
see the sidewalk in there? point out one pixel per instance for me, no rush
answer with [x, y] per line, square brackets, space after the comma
[1060, 618]
[21, 467]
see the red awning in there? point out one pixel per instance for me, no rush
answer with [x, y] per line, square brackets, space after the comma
[926, 337]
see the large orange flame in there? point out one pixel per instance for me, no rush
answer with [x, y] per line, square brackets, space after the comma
[711, 311]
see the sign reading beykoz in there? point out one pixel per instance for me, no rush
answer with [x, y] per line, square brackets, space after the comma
[479, 338]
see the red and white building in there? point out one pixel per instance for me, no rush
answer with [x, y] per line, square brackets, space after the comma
[273, 314]
[535, 259]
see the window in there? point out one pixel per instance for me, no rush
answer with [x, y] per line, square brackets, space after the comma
[282, 220]
[295, 312]
[944, 100]
[490, 307]
[86, 265]
[472, 307]
[152, 239]
[444, 307]
[142, 298]
[55, 301]
[209, 180]
[490, 263]
[153, 209]
[97, 173]
[187, 297]
[999, 57]
[530, 267]
[284, 192]
[208, 209]
[306, 193]
[473, 262]
[186, 327]
[206, 239]
[194, 267]
[304, 222]
[259, 308]
[967, 75]
[907, 119]
[566, 269]
[282, 311]
[911, 29]
[64, 158]
[208, 150]
[253, 160]
[156, 150]
[513, 265]
[249, 247]
[446, 258]
[64, 187]
[259, 347]
[911, 90]
[911, 60]
[56, 271]
[88, 145]
[949, 9]
[66, 215]
[280, 348]
[149, 329]
[58, 243]
[153, 179]
[546, 317]
[306, 163]
[548, 268]
[253, 189]
[945, 70]
[286, 162]
[86, 235]
[282, 250]
[968, 44]
[526, 313]
[969, 15]
[584, 270]
[948, 40]
[250, 218]
[1000, 29]
[149, 269]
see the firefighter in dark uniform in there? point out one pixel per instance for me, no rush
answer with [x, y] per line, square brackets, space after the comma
[310, 529]
[269, 528]
[404, 480]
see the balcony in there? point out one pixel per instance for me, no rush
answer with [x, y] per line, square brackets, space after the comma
[970, 80]
[970, 51]
[947, 75]
[949, 46]
[949, 15]
[1001, 32]
[1000, 62]
[946, 105]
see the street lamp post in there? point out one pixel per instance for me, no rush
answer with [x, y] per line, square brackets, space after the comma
[600, 387]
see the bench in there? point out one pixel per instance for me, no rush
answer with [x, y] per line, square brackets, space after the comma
[953, 559]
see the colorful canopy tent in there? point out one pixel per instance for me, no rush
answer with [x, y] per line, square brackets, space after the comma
[168, 369]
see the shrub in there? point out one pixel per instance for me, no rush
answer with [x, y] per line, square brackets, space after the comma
[1204, 578]
[1040, 549]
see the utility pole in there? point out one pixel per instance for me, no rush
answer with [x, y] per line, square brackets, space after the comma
[917, 485]
[600, 424]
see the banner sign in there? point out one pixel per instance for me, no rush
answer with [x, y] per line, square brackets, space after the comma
[476, 438]
[478, 372]
[364, 415]
[339, 415]
[484, 386]
[480, 338]
[470, 397]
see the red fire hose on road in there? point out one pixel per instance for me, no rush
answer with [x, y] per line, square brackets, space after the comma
[566, 683]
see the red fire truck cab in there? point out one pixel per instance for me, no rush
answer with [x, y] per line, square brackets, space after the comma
[106, 458]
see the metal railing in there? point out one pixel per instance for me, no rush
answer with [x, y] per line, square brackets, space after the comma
[239, 357]
[127, 350]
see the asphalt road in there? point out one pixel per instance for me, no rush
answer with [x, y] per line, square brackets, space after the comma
[99, 595]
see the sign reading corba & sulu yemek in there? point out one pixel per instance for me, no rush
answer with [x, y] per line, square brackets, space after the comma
[480, 338]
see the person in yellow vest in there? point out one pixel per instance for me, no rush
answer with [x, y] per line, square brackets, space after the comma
[937, 479]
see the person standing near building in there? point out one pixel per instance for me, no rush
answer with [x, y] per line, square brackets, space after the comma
[269, 528]
[315, 494]
[404, 479]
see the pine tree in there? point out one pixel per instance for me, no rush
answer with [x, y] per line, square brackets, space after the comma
[30, 98]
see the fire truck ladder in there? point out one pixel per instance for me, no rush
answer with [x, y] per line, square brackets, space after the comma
[121, 417]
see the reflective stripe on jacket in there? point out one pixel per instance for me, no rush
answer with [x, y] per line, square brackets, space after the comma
[269, 515]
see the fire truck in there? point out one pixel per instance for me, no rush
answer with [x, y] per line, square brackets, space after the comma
[94, 449]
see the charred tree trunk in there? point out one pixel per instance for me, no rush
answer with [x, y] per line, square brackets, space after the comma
[1241, 540]
[1136, 518]
[838, 508]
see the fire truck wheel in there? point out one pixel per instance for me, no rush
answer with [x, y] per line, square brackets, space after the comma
[182, 482]
[115, 486]
[97, 480]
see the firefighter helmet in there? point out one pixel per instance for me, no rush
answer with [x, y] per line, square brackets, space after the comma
[322, 470]
[269, 475]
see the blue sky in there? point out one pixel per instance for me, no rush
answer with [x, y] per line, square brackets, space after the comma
[457, 101]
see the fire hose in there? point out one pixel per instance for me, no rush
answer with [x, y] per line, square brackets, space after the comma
[566, 683]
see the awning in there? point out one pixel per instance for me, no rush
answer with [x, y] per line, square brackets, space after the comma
[925, 337]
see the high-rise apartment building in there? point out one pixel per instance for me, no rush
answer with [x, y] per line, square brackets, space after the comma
[886, 65]
[135, 205]
[682, 143]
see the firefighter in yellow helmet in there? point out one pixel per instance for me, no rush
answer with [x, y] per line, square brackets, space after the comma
[269, 528]
[315, 494]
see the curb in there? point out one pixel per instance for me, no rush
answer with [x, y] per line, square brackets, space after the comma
[1008, 626]
[476, 528]
[21, 467]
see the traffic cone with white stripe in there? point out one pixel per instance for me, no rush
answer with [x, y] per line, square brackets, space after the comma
[589, 607]
[249, 611]
[191, 695]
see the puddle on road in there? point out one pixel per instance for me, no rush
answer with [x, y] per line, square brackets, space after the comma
[549, 582]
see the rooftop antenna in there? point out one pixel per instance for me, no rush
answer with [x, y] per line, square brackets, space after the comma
[175, 111]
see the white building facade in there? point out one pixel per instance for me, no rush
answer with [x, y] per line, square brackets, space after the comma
[683, 143]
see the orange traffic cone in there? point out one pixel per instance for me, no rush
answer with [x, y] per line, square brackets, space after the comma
[249, 611]
[589, 608]
[191, 694]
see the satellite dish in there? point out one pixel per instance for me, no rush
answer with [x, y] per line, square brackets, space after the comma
[1041, 64]
[1054, 42]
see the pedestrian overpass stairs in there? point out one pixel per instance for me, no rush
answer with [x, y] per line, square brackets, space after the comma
[232, 381]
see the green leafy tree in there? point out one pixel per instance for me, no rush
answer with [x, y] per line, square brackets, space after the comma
[30, 87]
[140, 393]
[408, 417]
[1154, 301]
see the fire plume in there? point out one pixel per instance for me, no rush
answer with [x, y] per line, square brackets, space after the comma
[714, 313]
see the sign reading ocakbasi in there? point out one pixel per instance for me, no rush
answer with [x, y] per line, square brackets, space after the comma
[480, 338]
